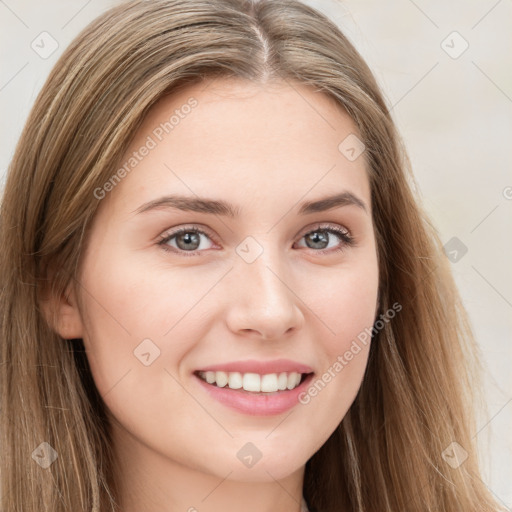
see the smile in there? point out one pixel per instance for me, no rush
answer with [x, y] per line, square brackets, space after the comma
[253, 382]
[254, 394]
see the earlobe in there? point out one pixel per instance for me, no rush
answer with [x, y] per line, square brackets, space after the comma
[63, 315]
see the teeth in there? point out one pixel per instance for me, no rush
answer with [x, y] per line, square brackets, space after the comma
[234, 381]
[282, 381]
[252, 382]
[268, 383]
[221, 378]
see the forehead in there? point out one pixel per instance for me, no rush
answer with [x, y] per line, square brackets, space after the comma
[234, 138]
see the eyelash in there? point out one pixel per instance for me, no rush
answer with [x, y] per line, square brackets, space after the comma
[346, 239]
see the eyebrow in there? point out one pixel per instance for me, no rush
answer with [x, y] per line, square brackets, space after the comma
[220, 207]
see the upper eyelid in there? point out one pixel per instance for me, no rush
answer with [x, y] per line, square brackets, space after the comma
[172, 232]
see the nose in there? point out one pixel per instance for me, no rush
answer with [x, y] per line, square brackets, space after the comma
[263, 302]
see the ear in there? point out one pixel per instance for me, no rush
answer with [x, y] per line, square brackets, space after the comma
[63, 315]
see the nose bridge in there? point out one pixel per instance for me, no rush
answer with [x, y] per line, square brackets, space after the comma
[266, 275]
[266, 302]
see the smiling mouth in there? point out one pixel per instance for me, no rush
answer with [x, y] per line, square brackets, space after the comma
[253, 383]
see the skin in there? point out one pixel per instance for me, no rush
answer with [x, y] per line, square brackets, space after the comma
[265, 149]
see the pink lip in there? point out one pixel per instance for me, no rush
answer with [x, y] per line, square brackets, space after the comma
[260, 367]
[256, 404]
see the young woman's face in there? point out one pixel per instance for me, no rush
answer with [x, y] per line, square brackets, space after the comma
[203, 256]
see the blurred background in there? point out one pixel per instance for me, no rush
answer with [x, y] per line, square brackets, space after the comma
[445, 70]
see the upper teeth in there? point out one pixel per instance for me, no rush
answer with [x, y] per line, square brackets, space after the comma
[269, 383]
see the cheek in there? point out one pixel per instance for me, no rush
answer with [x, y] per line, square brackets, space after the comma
[136, 320]
[140, 298]
[344, 303]
[344, 306]
[138, 332]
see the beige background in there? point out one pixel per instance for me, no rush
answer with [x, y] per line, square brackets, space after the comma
[454, 111]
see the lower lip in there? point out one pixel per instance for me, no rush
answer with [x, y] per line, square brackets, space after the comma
[257, 404]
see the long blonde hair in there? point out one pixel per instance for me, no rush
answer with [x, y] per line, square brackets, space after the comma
[416, 398]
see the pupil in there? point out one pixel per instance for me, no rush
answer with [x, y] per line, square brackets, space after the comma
[189, 238]
[318, 237]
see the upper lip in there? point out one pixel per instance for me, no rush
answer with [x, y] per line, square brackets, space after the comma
[260, 367]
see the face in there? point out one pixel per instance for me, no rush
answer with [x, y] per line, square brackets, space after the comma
[255, 283]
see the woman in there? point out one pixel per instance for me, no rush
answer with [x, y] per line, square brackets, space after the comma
[309, 352]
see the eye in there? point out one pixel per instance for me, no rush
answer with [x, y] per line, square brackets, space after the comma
[320, 237]
[184, 240]
[188, 240]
